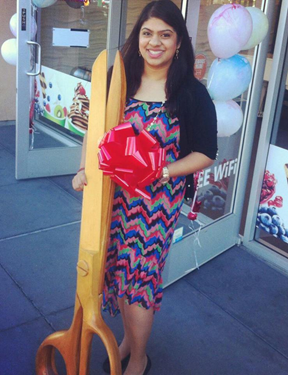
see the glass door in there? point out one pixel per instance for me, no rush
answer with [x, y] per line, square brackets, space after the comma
[222, 186]
[58, 42]
[267, 221]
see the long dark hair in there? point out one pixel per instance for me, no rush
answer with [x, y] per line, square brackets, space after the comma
[179, 70]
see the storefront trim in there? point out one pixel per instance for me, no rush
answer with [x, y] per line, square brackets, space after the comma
[273, 259]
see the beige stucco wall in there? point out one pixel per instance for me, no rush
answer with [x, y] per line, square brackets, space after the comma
[8, 72]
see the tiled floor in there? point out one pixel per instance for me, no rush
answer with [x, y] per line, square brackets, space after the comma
[228, 318]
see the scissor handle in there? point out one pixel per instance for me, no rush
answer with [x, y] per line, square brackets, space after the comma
[74, 345]
[66, 342]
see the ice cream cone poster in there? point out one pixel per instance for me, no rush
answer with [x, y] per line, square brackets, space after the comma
[273, 209]
[63, 99]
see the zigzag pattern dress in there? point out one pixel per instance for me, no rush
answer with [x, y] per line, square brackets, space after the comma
[141, 229]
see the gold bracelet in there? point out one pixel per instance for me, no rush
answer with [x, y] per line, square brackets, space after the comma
[165, 175]
[165, 172]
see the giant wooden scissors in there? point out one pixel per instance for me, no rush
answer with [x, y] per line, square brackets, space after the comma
[74, 344]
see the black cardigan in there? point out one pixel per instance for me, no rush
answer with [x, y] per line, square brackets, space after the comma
[198, 124]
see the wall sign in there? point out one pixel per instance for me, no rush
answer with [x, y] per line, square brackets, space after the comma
[200, 66]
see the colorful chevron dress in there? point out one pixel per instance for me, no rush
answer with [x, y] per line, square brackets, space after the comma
[141, 229]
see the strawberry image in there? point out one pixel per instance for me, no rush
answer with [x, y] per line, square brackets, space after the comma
[268, 187]
[82, 91]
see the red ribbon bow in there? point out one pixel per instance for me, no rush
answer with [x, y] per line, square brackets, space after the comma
[132, 161]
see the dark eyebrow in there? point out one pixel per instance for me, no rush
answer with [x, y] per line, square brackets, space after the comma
[160, 31]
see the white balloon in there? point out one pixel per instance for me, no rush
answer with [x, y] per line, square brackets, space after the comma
[13, 24]
[9, 51]
[229, 29]
[260, 27]
[229, 117]
[43, 3]
[229, 78]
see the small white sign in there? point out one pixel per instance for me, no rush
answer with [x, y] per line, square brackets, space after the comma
[70, 37]
[178, 235]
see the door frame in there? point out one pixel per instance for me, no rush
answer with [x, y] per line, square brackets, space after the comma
[281, 44]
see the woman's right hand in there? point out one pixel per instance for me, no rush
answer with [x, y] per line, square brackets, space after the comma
[79, 181]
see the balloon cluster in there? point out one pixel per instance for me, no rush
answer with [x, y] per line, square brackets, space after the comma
[232, 28]
[9, 48]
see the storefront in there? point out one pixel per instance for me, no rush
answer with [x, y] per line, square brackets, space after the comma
[53, 86]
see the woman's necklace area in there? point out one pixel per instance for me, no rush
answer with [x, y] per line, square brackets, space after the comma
[149, 127]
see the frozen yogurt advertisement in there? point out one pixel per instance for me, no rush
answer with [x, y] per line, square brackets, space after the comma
[273, 210]
[63, 99]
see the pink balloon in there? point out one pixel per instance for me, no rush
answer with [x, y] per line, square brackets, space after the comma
[229, 29]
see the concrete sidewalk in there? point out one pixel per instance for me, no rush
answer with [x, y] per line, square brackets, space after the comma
[228, 318]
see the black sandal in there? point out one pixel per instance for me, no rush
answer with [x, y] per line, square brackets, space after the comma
[124, 364]
[148, 366]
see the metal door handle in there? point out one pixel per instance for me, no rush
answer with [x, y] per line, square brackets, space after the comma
[39, 58]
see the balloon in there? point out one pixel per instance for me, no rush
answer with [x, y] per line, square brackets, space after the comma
[229, 117]
[229, 78]
[43, 3]
[74, 4]
[13, 24]
[260, 27]
[229, 29]
[9, 51]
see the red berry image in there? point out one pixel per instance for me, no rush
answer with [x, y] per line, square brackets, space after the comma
[82, 91]
[278, 201]
[270, 182]
[65, 111]
[268, 187]
[48, 109]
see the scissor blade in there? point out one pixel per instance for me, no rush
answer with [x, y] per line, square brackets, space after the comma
[117, 94]
[90, 237]
[114, 115]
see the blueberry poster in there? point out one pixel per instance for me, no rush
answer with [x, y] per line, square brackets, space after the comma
[63, 99]
[273, 209]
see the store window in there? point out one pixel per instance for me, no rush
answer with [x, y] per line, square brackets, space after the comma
[218, 183]
[272, 219]
[71, 36]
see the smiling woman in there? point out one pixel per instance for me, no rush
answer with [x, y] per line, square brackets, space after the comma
[158, 44]
[166, 100]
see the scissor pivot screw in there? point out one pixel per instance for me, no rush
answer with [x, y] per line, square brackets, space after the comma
[82, 268]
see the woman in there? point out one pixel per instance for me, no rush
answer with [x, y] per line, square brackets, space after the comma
[164, 97]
